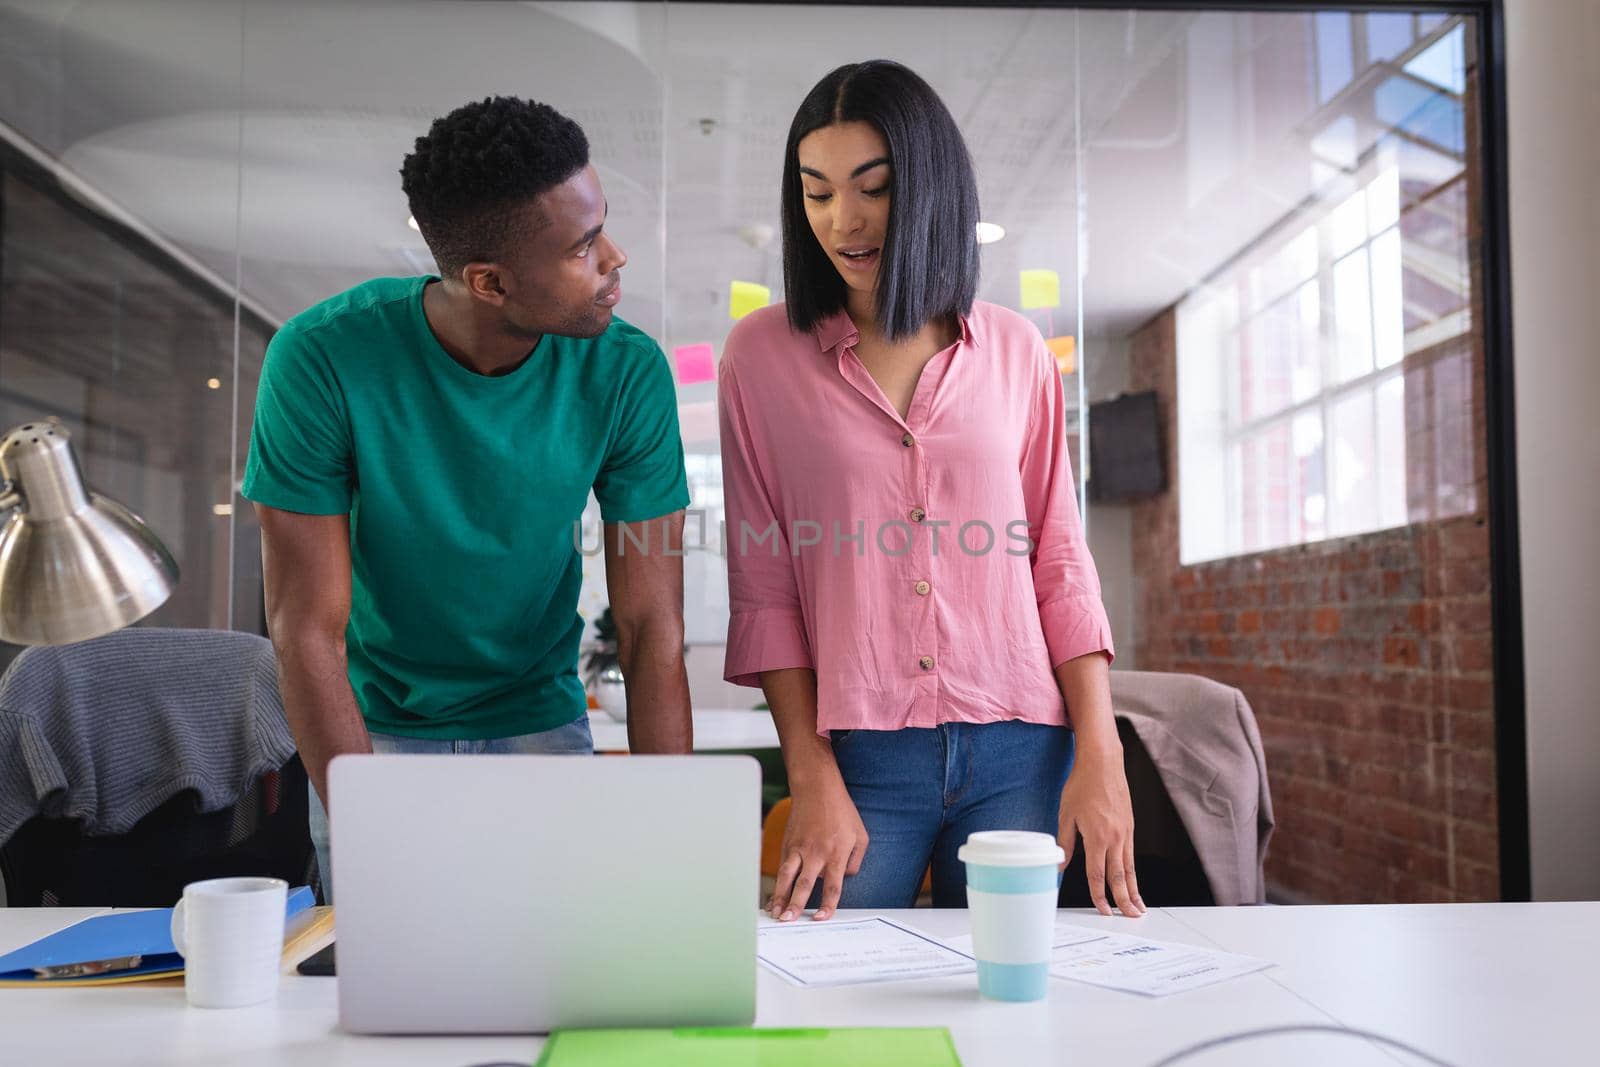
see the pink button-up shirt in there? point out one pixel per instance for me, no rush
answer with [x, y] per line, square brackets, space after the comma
[892, 556]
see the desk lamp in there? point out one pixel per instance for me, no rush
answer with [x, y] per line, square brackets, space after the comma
[73, 564]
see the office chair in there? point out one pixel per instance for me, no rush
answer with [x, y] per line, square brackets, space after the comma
[1164, 858]
[134, 763]
[1197, 776]
[52, 862]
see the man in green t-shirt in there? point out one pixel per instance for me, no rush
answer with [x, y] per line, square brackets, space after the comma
[422, 451]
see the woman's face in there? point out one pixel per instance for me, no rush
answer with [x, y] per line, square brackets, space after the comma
[845, 177]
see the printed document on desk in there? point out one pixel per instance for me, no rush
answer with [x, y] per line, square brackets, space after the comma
[832, 953]
[1134, 964]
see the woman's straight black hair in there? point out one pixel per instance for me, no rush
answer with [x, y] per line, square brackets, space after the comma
[928, 269]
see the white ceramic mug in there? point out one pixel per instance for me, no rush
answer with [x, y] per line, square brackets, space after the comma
[230, 934]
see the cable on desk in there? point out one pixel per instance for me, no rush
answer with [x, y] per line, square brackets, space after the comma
[1303, 1028]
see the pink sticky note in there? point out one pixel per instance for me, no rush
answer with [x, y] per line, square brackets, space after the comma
[696, 363]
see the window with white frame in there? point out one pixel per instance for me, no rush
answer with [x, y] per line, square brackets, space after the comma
[1291, 399]
[1294, 362]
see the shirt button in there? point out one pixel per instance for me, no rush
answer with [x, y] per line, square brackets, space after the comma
[926, 663]
[917, 514]
[923, 588]
[906, 440]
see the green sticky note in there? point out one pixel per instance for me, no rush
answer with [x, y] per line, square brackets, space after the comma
[743, 1047]
[745, 297]
[1040, 289]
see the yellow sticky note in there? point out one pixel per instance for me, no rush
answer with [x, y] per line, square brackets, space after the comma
[746, 297]
[1040, 289]
[1065, 349]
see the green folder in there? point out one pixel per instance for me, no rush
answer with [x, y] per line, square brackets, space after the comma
[741, 1047]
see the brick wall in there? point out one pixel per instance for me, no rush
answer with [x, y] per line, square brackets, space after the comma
[1366, 659]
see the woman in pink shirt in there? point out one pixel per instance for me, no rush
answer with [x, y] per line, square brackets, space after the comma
[908, 577]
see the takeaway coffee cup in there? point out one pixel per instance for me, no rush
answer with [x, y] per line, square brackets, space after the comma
[1012, 882]
[230, 934]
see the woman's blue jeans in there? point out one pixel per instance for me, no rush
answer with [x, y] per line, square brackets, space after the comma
[920, 792]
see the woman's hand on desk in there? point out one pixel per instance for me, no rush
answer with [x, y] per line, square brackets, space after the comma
[1095, 803]
[824, 841]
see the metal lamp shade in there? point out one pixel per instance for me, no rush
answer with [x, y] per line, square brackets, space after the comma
[73, 564]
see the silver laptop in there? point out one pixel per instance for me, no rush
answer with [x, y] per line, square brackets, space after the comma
[521, 894]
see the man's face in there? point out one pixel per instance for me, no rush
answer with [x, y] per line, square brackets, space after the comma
[563, 276]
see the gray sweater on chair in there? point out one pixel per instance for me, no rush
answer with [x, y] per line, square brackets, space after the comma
[106, 731]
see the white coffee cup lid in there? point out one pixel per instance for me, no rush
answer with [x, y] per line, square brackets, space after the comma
[1010, 848]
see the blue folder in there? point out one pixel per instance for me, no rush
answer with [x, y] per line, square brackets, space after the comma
[112, 936]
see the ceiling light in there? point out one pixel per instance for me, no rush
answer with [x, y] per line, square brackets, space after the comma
[990, 232]
[213, 383]
[411, 220]
[221, 509]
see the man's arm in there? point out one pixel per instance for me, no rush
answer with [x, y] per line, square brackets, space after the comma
[305, 562]
[644, 579]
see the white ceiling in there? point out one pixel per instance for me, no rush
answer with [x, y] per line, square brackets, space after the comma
[1154, 145]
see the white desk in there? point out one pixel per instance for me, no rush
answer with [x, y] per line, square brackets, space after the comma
[1479, 984]
[715, 730]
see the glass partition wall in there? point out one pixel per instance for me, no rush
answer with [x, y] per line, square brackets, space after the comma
[1284, 231]
[1252, 240]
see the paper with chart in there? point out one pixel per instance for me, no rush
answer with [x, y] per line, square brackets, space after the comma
[876, 949]
[1134, 964]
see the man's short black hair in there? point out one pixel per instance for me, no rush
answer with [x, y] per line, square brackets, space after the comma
[477, 165]
[929, 264]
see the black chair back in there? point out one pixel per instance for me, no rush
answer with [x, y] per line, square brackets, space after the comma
[52, 863]
[1164, 858]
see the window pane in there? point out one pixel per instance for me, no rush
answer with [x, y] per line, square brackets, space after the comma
[1273, 357]
[1335, 59]
[1293, 122]
[1392, 452]
[1388, 313]
[1247, 487]
[1306, 312]
[1244, 376]
[101, 330]
[1383, 200]
[1352, 317]
[1337, 143]
[1435, 262]
[1279, 499]
[1227, 360]
[1253, 287]
[1431, 116]
[1309, 470]
[1388, 35]
[1444, 63]
[1347, 226]
[1296, 262]
[1355, 466]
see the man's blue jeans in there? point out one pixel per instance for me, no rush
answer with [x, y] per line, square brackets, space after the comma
[571, 739]
[920, 792]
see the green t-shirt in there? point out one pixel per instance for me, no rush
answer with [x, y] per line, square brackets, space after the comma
[462, 492]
